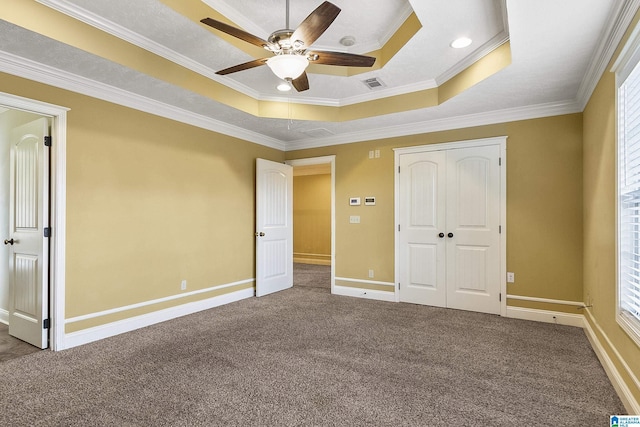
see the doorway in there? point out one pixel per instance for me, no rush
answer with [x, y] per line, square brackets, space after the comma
[12, 106]
[24, 194]
[450, 209]
[314, 222]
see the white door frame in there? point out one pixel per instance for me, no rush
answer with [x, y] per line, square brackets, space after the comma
[499, 140]
[58, 185]
[320, 161]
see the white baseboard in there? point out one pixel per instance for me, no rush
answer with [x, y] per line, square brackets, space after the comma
[4, 316]
[630, 403]
[86, 336]
[364, 293]
[546, 316]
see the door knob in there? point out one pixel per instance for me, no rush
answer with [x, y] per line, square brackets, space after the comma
[441, 235]
[450, 235]
[260, 234]
[8, 242]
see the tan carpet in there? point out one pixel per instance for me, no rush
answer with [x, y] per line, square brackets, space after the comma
[302, 357]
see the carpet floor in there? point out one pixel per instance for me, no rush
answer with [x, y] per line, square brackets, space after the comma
[13, 348]
[305, 357]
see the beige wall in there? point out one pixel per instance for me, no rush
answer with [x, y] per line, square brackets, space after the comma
[544, 205]
[150, 202]
[312, 219]
[600, 229]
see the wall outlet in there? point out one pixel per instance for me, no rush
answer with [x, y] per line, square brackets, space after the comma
[183, 285]
[370, 274]
[354, 219]
[377, 154]
[371, 154]
[511, 277]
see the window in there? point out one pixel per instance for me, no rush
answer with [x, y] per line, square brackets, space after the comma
[628, 82]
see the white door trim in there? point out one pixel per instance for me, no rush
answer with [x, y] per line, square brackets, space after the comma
[58, 197]
[320, 161]
[499, 140]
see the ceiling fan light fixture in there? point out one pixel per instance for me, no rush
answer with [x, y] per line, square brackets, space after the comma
[288, 66]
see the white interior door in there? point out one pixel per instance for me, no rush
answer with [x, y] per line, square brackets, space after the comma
[274, 227]
[449, 239]
[473, 218]
[29, 249]
[422, 243]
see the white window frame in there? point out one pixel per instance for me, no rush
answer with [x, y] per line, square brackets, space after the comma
[628, 60]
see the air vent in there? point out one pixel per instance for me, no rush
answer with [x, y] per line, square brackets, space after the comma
[317, 133]
[374, 83]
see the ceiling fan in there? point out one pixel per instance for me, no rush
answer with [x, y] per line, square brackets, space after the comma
[290, 47]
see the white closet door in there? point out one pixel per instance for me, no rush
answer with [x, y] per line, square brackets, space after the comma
[422, 250]
[449, 239]
[473, 218]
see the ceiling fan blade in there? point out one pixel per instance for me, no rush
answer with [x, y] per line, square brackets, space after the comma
[241, 67]
[235, 32]
[316, 23]
[340, 58]
[301, 83]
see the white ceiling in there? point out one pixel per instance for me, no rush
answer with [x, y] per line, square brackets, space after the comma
[557, 54]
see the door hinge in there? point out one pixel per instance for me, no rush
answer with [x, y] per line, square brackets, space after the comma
[45, 324]
[499, 161]
[398, 169]
[47, 141]
[398, 227]
[500, 229]
[47, 232]
[398, 285]
[500, 297]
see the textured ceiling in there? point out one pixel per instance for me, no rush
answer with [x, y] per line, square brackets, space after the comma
[553, 44]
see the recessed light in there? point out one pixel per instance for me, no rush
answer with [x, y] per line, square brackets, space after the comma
[284, 87]
[461, 42]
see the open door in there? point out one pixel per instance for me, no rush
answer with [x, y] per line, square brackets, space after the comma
[28, 220]
[274, 227]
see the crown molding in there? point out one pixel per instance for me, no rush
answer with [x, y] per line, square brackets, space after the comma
[373, 95]
[438, 125]
[505, 15]
[497, 41]
[33, 70]
[96, 21]
[238, 19]
[99, 22]
[388, 92]
[397, 23]
[618, 21]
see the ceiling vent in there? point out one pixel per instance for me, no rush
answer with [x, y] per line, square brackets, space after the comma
[374, 83]
[318, 133]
